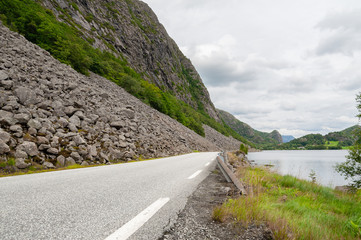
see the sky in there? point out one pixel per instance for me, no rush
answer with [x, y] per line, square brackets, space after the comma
[293, 66]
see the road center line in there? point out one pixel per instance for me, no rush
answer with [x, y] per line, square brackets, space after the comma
[207, 164]
[195, 174]
[137, 222]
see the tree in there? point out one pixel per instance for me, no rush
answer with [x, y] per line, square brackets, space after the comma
[351, 169]
[243, 148]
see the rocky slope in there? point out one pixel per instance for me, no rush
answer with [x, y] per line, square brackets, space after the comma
[248, 132]
[50, 115]
[130, 29]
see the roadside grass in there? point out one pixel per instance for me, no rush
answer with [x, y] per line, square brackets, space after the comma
[40, 169]
[293, 208]
[32, 170]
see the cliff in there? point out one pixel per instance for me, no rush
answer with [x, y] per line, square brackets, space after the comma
[130, 29]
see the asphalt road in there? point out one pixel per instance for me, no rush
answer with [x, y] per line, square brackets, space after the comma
[107, 202]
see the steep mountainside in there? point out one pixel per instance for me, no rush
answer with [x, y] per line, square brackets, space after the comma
[50, 115]
[243, 129]
[130, 29]
[123, 42]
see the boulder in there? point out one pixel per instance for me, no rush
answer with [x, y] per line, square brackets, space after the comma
[21, 154]
[30, 148]
[128, 113]
[117, 124]
[4, 148]
[79, 140]
[76, 156]
[53, 151]
[60, 161]
[16, 128]
[42, 140]
[22, 118]
[70, 161]
[4, 136]
[3, 75]
[26, 96]
[21, 164]
[33, 123]
[6, 118]
[85, 163]
[48, 165]
[75, 120]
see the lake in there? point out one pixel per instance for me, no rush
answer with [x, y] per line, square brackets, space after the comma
[300, 163]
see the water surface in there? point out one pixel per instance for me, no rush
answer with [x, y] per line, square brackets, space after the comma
[300, 163]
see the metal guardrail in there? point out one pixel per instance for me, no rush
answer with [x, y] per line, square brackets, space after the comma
[229, 175]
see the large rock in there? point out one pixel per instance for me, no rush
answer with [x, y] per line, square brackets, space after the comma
[21, 164]
[4, 136]
[4, 148]
[79, 140]
[33, 123]
[22, 117]
[7, 118]
[30, 148]
[117, 124]
[26, 96]
[3, 75]
[60, 160]
[75, 120]
[48, 165]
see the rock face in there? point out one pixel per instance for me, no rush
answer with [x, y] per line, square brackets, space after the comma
[132, 30]
[53, 116]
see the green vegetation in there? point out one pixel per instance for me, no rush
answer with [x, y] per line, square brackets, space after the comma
[351, 169]
[332, 141]
[254, 138]
[68, 44]
[293, 208]
[243, 148]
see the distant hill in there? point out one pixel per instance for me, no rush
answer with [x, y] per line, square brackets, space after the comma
[257, 137]
[333, 140]
[287, 138]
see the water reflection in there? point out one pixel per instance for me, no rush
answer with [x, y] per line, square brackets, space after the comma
[300, 164]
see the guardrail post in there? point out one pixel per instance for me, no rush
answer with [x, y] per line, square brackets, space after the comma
[229, 175]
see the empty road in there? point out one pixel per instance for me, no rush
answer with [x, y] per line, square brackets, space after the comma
[125, 201]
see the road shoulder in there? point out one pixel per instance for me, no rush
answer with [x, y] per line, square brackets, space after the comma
[195, 220]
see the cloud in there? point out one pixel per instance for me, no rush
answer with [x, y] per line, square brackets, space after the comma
[344, 33]
[293, 66]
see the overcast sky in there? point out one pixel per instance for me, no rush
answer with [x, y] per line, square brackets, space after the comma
[293, 66]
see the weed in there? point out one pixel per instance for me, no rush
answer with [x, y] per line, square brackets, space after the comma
[219, 214]
[11, 162]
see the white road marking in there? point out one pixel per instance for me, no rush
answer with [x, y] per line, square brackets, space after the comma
[195, 174]
[137, 222]
[207, 164]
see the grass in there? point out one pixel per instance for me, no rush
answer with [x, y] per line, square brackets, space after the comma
[293, 208]
[331, 143]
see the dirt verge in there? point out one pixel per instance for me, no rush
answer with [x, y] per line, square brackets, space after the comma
[195, 221]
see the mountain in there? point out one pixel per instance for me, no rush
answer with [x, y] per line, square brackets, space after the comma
[52, 116]
[124, 42]
[333, 140]
[287, 138]
[257, 137]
